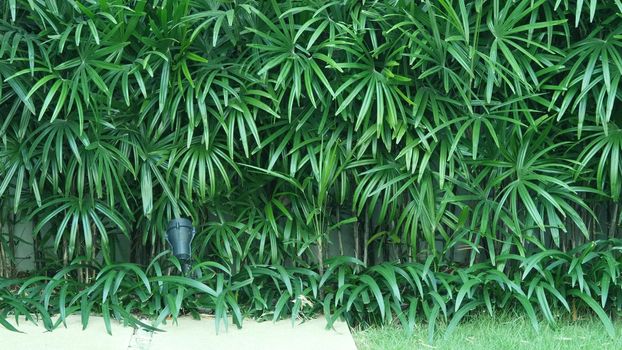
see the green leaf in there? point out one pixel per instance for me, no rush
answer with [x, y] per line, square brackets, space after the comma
[604, 318]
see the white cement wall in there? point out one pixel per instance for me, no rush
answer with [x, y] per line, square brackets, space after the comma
[24, 252]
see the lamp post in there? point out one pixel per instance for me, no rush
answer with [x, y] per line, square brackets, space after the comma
[179, 235]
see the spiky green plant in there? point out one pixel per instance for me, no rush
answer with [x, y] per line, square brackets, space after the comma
[466, 140]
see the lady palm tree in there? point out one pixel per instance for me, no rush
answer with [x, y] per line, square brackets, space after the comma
[119, 117]
[425, 128]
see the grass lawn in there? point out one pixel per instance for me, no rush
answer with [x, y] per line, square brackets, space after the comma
[500, 332]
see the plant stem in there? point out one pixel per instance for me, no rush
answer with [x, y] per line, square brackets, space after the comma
[11, 254]
[357, 252]
[613, 223]
[2, 255]
[365, 237]
[339, 234]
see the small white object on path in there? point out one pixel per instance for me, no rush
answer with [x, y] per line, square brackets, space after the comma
[186, 334]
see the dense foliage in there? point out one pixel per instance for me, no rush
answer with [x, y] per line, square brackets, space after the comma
[377, 160]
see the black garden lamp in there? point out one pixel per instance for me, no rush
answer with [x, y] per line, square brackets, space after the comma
[179, 235]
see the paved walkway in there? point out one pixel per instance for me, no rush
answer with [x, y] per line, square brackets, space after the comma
[188, 334]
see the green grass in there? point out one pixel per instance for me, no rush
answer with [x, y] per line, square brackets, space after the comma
[500, 332]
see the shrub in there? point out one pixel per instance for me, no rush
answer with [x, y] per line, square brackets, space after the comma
[331, 150]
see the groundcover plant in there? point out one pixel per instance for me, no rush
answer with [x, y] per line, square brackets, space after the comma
[379, 161]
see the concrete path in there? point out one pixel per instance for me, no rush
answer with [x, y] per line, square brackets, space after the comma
[187, 334]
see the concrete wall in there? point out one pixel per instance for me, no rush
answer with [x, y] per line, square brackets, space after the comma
[24, 252]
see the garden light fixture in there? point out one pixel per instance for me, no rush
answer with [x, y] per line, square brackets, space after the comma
[179, 235]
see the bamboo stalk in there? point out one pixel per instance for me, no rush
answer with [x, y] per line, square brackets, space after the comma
[341, 252]
[65, 253]
[2, 255]
[152, 253]
[357, 249]
[90, 275]
[11, 251]
[35, 248]
[613, 223]
[320, 255]
[365, 238]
